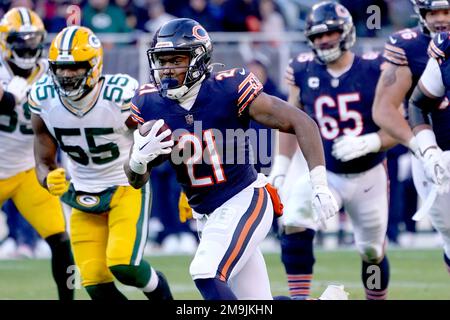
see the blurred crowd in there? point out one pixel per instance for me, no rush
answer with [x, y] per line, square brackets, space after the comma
[127, 16]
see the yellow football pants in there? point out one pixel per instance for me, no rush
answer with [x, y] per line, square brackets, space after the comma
[42, 210]
[117, 237]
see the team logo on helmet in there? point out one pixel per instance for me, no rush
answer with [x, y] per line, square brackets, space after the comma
[199, 33]
[94, 41]
[341, 11]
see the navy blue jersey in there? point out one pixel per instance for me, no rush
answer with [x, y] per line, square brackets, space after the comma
[440, 50]
[340, 105]
[217, 161]
[408, 47]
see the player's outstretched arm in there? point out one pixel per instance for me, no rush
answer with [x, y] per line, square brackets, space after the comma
[278, 114]
[287, 145]
[393, 85]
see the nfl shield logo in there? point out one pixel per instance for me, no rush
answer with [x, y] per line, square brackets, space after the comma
[189, 119]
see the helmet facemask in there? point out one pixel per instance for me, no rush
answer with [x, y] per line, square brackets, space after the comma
[330, 52]
[197, 68]
[70, 86]
[26, 48]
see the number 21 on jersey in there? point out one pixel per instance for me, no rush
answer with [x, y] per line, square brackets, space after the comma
[198, 156]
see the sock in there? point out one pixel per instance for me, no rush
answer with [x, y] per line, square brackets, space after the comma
[162, 290]
[447, 262]
[298, 258]
[62, 259]
[375, 279]
[105, 291]
[214, 289]
[153, 284]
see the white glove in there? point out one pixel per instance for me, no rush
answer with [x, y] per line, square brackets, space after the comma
[146, 149]
[278, 172]
[413, 146]
[18, 87]
[324, 205]
[433, 161]
[346, 148]
[435, 169]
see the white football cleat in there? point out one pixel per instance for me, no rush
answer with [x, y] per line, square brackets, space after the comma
[334, 292]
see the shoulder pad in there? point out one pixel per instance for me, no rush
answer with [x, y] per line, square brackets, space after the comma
[120, 89]
[296, 65]
[40, 91]
[399, 44]
[241, 84]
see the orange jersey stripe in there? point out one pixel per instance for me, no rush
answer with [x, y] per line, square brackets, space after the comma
[244, 234]
[243, 83]
[395, 49]
[250, 99]
[137, 118]
[394, 58]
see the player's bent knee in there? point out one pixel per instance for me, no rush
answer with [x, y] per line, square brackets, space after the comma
[202, 268]
[130, 275]
[95, 272]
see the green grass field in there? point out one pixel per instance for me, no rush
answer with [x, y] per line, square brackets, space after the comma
[415, 274]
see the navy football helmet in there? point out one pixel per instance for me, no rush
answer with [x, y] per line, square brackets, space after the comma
[422, 7]
[329, 16]
[180, 36]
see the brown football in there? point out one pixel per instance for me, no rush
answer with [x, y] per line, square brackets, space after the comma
[145, 129]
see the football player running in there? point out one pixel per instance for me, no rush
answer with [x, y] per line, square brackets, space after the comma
[87, 114]
[406, 54]
[233, 205]
[336, 87]
[433, 138]
[22, 35]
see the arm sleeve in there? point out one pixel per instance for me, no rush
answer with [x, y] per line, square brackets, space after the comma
[431, 78]
[420, 106]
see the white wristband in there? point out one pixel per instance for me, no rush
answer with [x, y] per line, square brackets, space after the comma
[137, 166]
[318, 176]
[373, 142]
[425, 140]
[413, 146]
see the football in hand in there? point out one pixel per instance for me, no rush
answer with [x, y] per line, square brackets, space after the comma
[144, 131]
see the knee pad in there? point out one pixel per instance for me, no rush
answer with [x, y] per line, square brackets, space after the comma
[201, 269]
[297, 250]
[204, 265]
[94, 272]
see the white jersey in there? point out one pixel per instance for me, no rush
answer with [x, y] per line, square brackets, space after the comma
[95, 141]
[16, 135]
